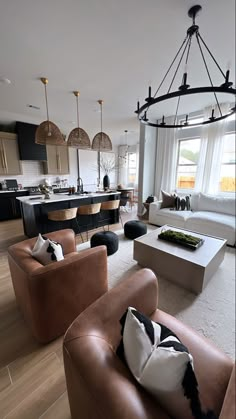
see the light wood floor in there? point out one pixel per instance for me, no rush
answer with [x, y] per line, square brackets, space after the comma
[32, 382]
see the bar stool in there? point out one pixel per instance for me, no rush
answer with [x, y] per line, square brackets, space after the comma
[65, 215]
[124, 198]
[92, 209]
[111, 206]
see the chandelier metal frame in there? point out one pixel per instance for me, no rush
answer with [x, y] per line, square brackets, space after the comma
[185, 89]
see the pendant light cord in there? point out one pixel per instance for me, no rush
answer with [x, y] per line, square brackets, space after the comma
[46, 99]
[77, 105]
[101, 124]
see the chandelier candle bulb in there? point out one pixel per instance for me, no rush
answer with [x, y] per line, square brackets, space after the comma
[149, 92]
[185, 79]
[227, 76]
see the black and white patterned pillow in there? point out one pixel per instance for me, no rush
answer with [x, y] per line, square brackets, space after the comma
[159, 362]
[47, 251]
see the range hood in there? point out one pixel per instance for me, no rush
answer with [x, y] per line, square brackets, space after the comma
[28, 150]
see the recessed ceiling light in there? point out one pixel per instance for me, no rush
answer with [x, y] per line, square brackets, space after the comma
[4, 80]
[33, 107]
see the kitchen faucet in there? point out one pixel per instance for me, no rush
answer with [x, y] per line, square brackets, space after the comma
[80, 187]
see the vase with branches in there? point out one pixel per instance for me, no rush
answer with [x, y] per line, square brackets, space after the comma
[107, 166]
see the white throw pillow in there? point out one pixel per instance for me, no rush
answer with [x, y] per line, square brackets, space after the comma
[47, 251]
[40, 241]
[160, 363]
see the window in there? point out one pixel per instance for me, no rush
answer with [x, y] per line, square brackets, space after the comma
[227, 173]
[132, 166]
[188, 155]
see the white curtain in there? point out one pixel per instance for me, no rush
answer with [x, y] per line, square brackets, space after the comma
[137, 167]
[212, 142]
[166, 159]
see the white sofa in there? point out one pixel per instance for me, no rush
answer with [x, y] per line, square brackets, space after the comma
[213, 215]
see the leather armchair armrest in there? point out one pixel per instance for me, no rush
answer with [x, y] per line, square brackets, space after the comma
[73, 261]
[65, 237]
[100, 386]
[104, 315]
[84, 275]
[228, 409]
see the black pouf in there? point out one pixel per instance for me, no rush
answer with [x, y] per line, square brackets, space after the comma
[134, 229]
[107, 238]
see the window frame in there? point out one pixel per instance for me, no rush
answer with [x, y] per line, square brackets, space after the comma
[228, 193]
[184, 190]
[192, 133]
[128, 165]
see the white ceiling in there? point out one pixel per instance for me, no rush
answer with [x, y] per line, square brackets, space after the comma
[107, 49]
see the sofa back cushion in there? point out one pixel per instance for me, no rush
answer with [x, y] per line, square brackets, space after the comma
[216, 204]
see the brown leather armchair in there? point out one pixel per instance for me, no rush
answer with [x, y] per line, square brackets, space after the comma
[100, 386]
[52, 296]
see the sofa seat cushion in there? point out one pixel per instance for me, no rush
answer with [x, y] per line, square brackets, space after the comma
[168, 216]
[214, 224]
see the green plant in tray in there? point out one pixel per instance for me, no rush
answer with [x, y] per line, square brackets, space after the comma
[181, 238]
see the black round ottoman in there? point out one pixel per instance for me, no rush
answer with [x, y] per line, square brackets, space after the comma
[107, 238]
[134, 229]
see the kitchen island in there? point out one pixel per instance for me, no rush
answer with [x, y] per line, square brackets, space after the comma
[34, 211]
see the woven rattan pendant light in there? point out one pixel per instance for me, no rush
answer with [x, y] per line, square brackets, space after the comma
[78, 138]
[101, 141]
[47, 132]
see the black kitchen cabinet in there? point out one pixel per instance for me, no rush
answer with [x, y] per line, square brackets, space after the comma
[10, 206]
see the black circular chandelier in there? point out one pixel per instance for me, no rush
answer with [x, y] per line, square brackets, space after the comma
[185, 89]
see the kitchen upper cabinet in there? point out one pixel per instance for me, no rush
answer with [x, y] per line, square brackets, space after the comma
[9, 155]
[57, 160]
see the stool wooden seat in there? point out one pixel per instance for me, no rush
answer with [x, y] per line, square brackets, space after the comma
[111, 205]
[91, 209]
[65, 215]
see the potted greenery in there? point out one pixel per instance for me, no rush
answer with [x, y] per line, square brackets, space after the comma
[186, 240]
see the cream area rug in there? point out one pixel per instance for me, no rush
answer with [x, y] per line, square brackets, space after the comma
[211, 313]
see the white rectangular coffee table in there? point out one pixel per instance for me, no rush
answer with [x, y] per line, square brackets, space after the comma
[191, 269]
